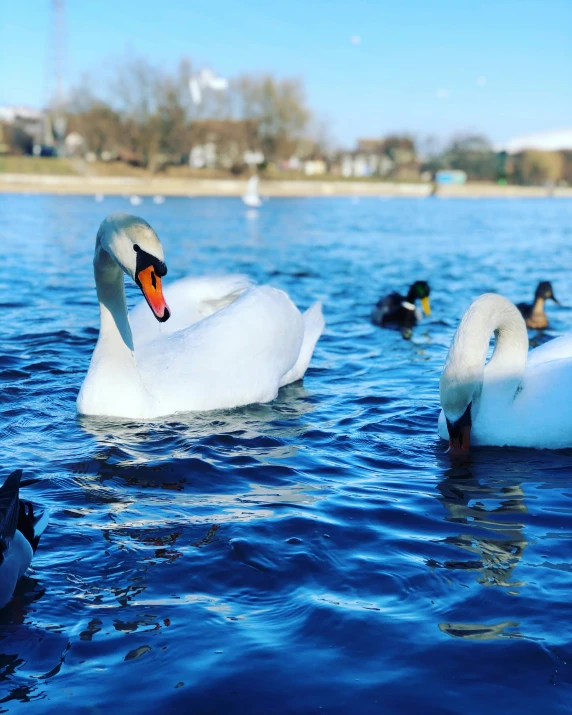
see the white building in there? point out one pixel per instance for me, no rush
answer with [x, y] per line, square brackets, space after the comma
[555, 140]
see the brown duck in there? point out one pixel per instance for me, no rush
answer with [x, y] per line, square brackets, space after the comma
[533, 314]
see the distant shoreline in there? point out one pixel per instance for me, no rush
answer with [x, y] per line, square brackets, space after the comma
[164, 186]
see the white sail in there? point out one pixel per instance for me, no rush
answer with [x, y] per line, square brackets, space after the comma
[251, 198]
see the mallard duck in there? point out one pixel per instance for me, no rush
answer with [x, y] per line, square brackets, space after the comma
[21, 526]
[533, 313]
[398, 311]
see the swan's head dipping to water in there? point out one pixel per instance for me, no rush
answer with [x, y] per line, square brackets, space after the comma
[467, 380]
[133, 245]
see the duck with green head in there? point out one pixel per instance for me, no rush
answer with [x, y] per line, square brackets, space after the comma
[398, 311]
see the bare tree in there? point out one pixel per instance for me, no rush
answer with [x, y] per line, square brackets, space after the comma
[99, 125]
[135, 89]
[278, 107]
[148, 114]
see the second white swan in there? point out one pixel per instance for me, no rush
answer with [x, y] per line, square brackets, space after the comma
[229, 343]
[517, 399]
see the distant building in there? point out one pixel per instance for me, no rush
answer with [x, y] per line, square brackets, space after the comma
[222, 144]
[315, 167]
[450, 176]
[556, 140]
[75, 144]
[389, 158]
[539, 159]
[26, 130]
[203, 156]
[253, 158]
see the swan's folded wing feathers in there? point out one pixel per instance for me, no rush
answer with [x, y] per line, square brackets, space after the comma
[208, 307]
[314, 325]
[190, 299]
[237, 356]
[557, 349]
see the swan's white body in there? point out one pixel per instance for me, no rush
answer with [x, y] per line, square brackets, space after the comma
[518, 398]
[251, 198]
[228, 343]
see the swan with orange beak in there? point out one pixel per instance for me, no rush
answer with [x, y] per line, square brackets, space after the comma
[230, 343]
[148, 273]
[124, 245]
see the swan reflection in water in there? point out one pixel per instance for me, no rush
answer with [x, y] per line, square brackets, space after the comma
[496, 542]
[490, 513]
[141, 442]
[157, 490]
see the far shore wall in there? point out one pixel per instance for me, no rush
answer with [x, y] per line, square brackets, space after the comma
[113, 185]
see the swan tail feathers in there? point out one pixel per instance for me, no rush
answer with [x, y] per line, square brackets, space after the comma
[9, 495]
[314, 324]
[32, 522]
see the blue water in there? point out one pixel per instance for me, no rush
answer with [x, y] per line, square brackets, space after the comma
[316, 554]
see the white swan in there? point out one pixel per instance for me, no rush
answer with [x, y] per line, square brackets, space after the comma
[21, 526]
[251, 198]
[229, 343]
[518, 398]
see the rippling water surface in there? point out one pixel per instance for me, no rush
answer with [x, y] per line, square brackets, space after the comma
[319, 553]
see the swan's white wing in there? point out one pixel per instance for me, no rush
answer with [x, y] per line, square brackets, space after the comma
[190, 299]
[556, 349]
[314, 324]
[541, 416]
[236, 356]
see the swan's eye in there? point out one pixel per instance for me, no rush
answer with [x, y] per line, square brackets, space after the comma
[136, 248]
[153, 279]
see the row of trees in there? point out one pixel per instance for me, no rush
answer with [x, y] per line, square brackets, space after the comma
[148, 114]
[475, 155]
[150, 117]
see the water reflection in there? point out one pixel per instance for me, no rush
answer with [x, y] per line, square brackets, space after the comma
[214, 549]
[480, 631]
[489, 512]
[493, 513]
[140, 442]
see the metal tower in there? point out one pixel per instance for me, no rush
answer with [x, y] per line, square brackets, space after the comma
[57, 99]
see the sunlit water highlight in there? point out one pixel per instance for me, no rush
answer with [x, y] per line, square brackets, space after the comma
[319, 553]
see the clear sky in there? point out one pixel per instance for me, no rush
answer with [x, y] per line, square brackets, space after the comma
[502, 67]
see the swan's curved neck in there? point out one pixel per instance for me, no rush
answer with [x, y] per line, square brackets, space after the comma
[115, 331]
[466, 372]
[113, 385]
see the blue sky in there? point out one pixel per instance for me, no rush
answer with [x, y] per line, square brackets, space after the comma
[502, 67]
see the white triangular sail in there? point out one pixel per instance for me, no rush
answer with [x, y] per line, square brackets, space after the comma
[251, 198]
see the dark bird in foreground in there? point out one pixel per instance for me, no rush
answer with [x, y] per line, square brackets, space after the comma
[398, 311]
[533, 313]
[21, 525]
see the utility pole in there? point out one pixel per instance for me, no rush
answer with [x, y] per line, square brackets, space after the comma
[58, 50]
